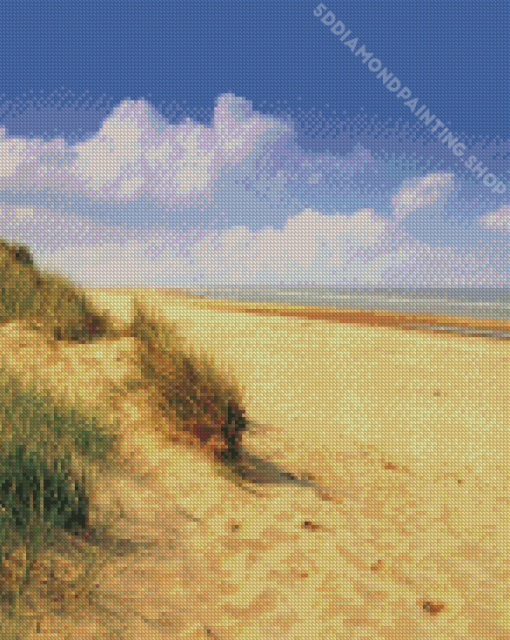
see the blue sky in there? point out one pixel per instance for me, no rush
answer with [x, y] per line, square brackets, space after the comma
[228, 143]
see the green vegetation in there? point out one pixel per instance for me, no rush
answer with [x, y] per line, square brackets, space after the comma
[47, 301]
[39, 493]
[44, 440]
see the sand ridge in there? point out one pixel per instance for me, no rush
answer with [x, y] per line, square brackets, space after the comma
[403, 433]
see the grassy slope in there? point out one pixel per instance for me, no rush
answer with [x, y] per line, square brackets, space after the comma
[40, 498]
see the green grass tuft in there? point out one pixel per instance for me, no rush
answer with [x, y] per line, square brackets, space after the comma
[43, 438]
[38, 491]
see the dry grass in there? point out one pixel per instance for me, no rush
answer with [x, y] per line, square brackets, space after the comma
[51, 451]
[190, 391]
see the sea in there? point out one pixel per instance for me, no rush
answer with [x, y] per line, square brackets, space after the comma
[483, 303]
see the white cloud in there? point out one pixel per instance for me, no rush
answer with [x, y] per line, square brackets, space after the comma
[498, 220]
[354, 249]
[12, 152]
[115, 264]
[425, 266]
[433, 189]
[136, 154]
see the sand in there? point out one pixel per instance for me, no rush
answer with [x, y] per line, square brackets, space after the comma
[407, 429]
[438, 403]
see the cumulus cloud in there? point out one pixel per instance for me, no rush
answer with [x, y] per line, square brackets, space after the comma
[116, 264]
[137, 153]
[138, 157]
[312, 248]
[421, 265]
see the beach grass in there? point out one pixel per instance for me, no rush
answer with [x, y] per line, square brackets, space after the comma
[189, 388]
[53, 451]
[50, 448]
[39, 492]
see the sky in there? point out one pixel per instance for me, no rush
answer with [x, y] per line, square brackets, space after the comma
[226, 143]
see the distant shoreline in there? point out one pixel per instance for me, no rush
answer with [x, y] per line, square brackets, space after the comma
[451, 325]
[424, 322]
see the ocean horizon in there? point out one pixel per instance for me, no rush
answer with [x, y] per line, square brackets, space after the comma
[481, 303]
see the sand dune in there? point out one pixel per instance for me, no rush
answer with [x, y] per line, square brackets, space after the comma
[406, 435]
[435, 401]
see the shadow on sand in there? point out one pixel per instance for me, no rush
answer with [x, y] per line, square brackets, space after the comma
[251, 470]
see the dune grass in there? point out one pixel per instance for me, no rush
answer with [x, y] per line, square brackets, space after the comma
[39, 441]
[43, 440]
[188, 388]
[47, 301]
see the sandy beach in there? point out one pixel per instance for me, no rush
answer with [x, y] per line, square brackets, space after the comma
[438, 403]
[407, 429]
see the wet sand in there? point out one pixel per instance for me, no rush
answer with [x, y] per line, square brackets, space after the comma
[372, 317]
